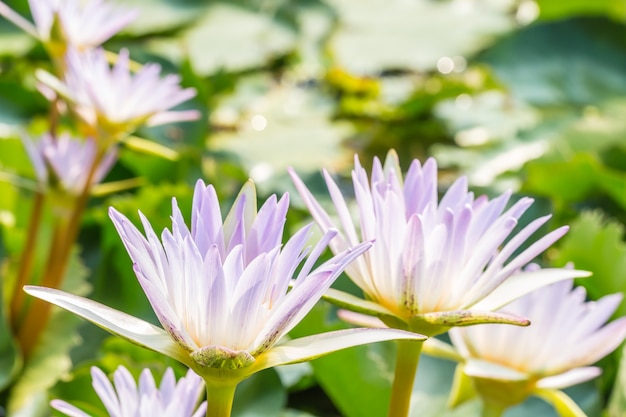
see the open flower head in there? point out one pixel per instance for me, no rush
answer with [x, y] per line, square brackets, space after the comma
[80, 24]
[115, 100]
[65, 162]
[223, 292]
[434, 264]
[125, 398]
[567, 335]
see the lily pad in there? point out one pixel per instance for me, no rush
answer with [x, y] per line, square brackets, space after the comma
[377, 35]
[285, 125]
[232, 38]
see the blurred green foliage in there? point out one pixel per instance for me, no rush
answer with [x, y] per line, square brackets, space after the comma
[521, 94]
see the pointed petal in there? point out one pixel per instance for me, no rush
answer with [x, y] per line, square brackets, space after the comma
[564, 405]
[120, 324]
[524, 283]
[569, 378]
[67, 409]
[311, 347]
[361, 320]
[489, 370]
[18, 20]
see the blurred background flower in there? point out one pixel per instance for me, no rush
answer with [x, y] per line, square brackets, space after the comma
[568, 334]
[126, 398]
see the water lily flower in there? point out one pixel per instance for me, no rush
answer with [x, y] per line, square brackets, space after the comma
[65, 161]
[434, 264]
[75, 23]
[506, 364]
[224, 293]
[125, 398]
[114, 100]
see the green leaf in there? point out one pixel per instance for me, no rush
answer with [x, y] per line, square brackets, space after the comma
[595, 244]
[261, 395]
[412, 35]
[554, 10]
[50, 358]
[531, 62]
[273, 127]
[48, 362]
[10, 358]
[347, 374]
[156, 16]
[244, 39]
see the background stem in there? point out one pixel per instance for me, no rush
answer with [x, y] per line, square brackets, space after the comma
[26, 261]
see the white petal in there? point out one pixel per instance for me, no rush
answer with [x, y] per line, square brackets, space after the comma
[66, 408]
[484, 369]
[121, 324]
[311, 347]
[522, 284]
[18, 20]
[569, 378]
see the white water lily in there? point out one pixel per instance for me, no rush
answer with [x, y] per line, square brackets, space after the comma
[80, 24]
[224, 293]
[507, 364]
[434, 264]
[125, 398]
[67, 161]
[114, 100]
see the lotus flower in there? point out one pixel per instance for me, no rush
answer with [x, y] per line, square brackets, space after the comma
[507, 364]
[221, 291]
[75, 23]
[67, 161]
[434, 264]
[112, 99]
[125, 399]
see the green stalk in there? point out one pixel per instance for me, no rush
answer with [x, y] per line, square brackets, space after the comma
[26, 261]
[65, 235]
[219, 400]
[407, 361]
[492, 409]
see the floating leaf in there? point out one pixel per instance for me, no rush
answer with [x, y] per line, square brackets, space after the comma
[239, 38]
[377, 35]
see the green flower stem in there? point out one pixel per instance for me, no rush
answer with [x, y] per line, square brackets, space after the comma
[64, 235]
[407, 361]
[491, 409]
[26, 261]
[220, 400]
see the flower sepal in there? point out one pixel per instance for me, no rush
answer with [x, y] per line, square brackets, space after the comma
[562, 403]
[432, 324]
[462, 388]
[498, 384]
